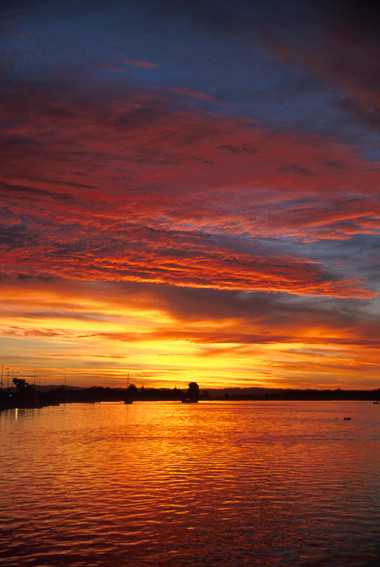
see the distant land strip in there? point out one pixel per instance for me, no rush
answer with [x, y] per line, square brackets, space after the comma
[27, 396]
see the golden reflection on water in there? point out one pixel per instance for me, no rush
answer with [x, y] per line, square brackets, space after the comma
[157, 484]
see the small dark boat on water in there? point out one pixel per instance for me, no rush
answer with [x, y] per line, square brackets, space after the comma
[130, 389]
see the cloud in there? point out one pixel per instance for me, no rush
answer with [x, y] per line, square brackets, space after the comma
[113, 189]
[243, 148]
[188, 263]
[186, 91]
[202, 317]
[141, 64]
[273, 333]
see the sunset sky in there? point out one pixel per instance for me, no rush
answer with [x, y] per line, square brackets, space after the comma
[190, 190]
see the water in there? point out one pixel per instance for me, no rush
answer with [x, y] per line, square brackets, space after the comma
[168, 484]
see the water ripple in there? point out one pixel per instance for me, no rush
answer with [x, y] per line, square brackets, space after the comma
[156, 485]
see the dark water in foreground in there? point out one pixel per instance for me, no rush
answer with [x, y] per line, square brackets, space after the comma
[167, 484]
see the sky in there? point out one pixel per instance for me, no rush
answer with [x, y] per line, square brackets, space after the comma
[190, 190]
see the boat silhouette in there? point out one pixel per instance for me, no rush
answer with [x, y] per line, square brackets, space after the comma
[130, 389]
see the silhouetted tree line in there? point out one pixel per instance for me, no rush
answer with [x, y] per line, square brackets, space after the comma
[305, 395]
[24, 395]
[192, 394]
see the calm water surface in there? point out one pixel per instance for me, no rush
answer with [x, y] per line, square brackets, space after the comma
[168, 484]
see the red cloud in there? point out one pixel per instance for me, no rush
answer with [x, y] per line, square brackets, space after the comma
[135, 188]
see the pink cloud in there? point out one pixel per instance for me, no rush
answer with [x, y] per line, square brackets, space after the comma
[185, 91]
[140, 64]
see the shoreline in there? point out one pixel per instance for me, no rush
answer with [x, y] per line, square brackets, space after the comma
[30, 397]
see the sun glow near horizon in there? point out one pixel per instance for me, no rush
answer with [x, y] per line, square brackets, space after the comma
[99, 339]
